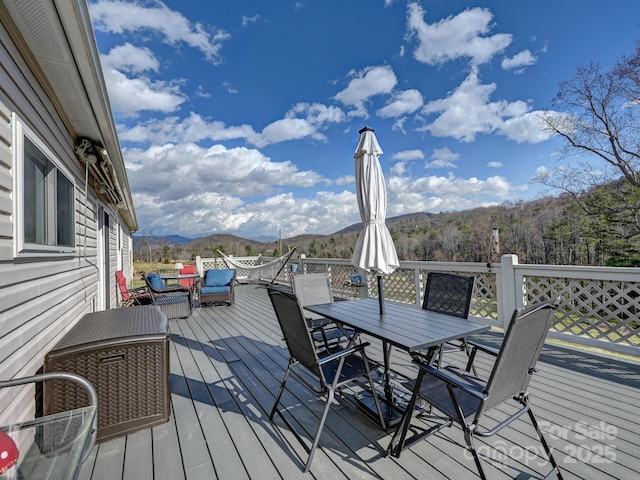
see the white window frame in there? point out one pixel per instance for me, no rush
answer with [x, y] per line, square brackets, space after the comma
[21, 247]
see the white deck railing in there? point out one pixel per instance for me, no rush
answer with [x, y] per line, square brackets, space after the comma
[599, 306]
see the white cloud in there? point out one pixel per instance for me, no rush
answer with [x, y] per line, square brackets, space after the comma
[302, 121]
[129, 96]
[403, 157]
[440, 194]
[443, 158]
[219, 181]
[460, 36]
[230, 88]
[468, 111]
[407, 155]
[131, 59]
[523, 59]
[494, 164]
[367, 83]
[248, 20]
[120, 17]
[241, 191]
[527, 127]
[398, 125]
[193, 128]
[402, 103]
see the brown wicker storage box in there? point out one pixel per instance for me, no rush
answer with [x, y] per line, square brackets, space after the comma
[124, 353]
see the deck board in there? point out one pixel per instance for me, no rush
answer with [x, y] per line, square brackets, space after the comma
[226, 367]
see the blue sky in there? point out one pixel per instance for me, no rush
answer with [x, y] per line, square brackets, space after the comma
[243, 117]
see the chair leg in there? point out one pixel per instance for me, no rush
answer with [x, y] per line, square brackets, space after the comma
[545, 445]
[468, 436]
[372, 385]
[316, 440]
[280, 392]
[400, 435]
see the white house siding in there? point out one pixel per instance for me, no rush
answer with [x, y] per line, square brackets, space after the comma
[41, 299]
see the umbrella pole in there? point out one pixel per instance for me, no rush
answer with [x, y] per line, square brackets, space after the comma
[380, 295]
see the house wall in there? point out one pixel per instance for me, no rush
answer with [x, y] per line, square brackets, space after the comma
[42, 298]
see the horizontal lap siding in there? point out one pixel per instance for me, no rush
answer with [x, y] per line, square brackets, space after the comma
[40, 299]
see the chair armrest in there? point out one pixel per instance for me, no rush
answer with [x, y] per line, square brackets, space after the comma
[72, 377]
[483, 348]
[174, 288]
[343, 353]
[441, 375]
[137, 290]
[474, 349]
[91, 392]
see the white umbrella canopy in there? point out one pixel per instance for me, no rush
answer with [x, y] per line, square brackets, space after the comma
[374, 250]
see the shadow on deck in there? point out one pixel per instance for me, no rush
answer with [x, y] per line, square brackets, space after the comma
[226, 366]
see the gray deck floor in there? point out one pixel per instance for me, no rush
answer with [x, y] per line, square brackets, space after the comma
[226, 366]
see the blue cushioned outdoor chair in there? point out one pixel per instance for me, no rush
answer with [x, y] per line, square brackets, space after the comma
[173, 300]
[217, 286]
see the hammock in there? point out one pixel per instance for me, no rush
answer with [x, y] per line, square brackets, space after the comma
[258, 271]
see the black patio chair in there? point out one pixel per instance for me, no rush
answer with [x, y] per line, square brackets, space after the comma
[331, 370]
[313, 289]
[451, 294]
[465, 399]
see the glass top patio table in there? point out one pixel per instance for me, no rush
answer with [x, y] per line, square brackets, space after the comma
[178, 276]
[404, 326]
[56, 444]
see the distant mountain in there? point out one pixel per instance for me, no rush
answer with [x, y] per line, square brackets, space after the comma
[265, 239]
[255, 242]
[168, 239]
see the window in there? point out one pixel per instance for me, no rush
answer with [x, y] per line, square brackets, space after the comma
[44, 200]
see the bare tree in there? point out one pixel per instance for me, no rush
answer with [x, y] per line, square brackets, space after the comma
[600, 121]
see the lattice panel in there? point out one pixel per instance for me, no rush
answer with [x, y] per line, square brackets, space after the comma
[597, 309]
[484, 302]
[399, 286]
[315, 268]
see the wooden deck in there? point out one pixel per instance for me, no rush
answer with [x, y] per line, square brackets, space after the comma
[227, 364]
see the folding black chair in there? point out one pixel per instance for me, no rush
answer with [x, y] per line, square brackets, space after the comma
[450, 294]
[331, 370]
[313, 289]
[465, 399]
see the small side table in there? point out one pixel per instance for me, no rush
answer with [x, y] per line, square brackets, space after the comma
[53, 446]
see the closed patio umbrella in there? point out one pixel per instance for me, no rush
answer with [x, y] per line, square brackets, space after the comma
[374, 249]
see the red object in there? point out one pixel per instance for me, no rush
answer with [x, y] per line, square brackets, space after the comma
[8, 452]
[187, 282]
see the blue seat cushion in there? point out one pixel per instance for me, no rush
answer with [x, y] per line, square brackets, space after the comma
[213, 290]
[218, 278]
[155, 281]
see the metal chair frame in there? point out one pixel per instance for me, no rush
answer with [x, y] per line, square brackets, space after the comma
[331, 370]
[312, 289]
[131, 296]
[451, 294]
[465, 399]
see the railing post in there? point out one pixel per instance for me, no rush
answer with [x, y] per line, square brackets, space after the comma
[199, 265]
[507, 289]
[363, 292]
[417, 272]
